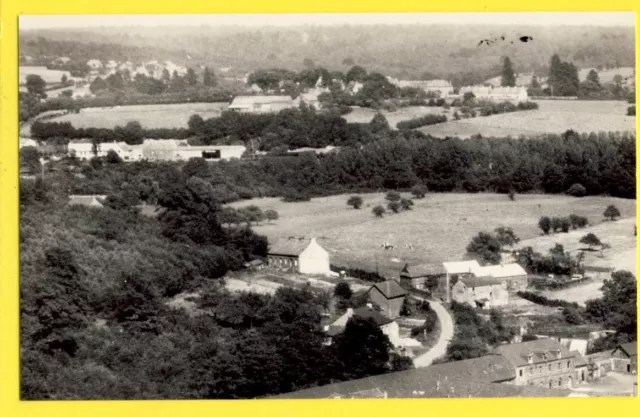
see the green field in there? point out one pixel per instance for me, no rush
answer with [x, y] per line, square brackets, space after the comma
[364, 115]
[439, 227]
[553, 116]
[49, 76]
[152, 116]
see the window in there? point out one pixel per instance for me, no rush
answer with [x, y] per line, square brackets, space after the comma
[531, 370]
[540, 369]
[560, 382]
[559, 365]
[549, 367]
[520, 372]
[568, 364]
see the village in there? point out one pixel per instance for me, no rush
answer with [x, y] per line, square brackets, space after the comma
[205, 233]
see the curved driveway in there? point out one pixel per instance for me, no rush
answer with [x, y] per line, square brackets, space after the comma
[446, 334]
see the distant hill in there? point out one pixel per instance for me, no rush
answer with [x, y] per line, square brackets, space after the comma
[606, 76]
[406, 51]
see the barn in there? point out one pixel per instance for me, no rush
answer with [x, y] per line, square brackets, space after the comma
[301, 255]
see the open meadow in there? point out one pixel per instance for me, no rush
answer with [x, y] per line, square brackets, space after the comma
[153, 116]
[49, 76]
[553, 116]
[365, 115]
[439, 227]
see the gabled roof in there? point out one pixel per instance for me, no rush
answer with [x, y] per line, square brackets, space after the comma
[472, 282]
[462, 267]
[289, 247]
[423, 270]
[579, 359]
[390, 289]
[85, 200]
[517, 353]
[478, 378]
[78, 141]
[366, 312]
[631, 348]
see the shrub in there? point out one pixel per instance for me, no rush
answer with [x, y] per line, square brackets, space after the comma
[343, 290]
[577, 190]
[572, 316]
[419, 191]
[544, 301]
[631, 111]
[271, 215]
[355, 201]
[565, 224]
[611, 212]
[394, 206]
[545, 224]
[296, 196]
[406, 203]
[393, 196]
[427, 120]
[378, 211]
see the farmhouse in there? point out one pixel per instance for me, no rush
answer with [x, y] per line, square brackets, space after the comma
[456, 270]
[261, 104]
[81, 148]
[388, 296]
[24, 142]
[480, 292]
[301, 255]
[542, 362]
[209, 152]
[624, 358]
[388, 326]
[512, 275]
[423, 276]
[489, 376]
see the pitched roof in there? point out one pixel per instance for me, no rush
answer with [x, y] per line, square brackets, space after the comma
[517, 353]
[250, 100]
[390, 289]
[630, 348]
[472, 282]
[469, 378]
[579, 359]
[366, 312]
[501, 271]
[289, 247]
[78, 141]
[85, 200]
[462, 267]
[423, 270]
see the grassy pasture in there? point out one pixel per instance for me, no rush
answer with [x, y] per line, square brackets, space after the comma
[439, 227]
[150, 116]
[365, 115]
[49, 76]
[553, 116]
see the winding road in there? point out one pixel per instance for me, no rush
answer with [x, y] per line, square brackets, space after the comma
[446, 334]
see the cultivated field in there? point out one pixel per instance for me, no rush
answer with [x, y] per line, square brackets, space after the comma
[439, 227]
[150, 116]
[49, 76]
[553, 116]
[364, 115]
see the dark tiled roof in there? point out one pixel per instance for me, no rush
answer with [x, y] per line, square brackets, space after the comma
[462, 379]
[579, 359]
[390, 289]
[289, 247]
[517, 353]
[630, 348]
[370, 313]
[423, 270]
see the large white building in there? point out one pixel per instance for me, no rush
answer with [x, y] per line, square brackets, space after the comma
[261, 104]
[515, 94]
[441, 87]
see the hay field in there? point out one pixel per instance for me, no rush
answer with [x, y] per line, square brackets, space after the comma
[365, 115]
[150, 116]
[49, 76]
[439, 227]
[553, 116]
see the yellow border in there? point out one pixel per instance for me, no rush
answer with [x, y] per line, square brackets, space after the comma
[9, 267]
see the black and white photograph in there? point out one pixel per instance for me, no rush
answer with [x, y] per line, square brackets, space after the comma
[327, 206]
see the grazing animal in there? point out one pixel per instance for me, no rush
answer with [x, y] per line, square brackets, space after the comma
[387, 246]
[408, 246]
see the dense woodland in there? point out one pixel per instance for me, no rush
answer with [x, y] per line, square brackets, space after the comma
[95, 323]
[406, 51]
[602, 163]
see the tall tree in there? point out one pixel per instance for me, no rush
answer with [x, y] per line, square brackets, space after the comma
[35, 85]
[508, 78]
[191, 77]
[593, 77]
[209, 77]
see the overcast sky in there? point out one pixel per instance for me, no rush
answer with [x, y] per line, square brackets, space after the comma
[530, 18]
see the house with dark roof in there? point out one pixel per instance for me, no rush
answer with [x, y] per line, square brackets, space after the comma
[625, 358]
[301, 255]
[480, 292]
[388, 296]
[422, 276]
[490, 376]
[542, 362]
[387, 325]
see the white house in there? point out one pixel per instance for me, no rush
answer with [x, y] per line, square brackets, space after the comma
[512, 275]
[209, 153]
[24, 142]
[81, 148]
[261, 104]
[94, 64]
[459, 269]
[302, 255]
[515, 94]
[441, 87]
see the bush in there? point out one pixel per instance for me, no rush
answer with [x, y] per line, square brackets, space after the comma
[631, 111]
[572, 316]
[355, 201]
[378, 211]
[343, 290]
[544, 301]
[419, 191]
[406, 203]
[394, 206]
[577, 190]
[565, 224]
[296, 196]
[545, 224]
[393, 196]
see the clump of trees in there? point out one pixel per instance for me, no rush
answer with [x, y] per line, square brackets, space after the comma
[487, 247]
[355, 201]
[577, 190]
[591, 240]
[427, 120]
[557, 262]
[555, 224]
